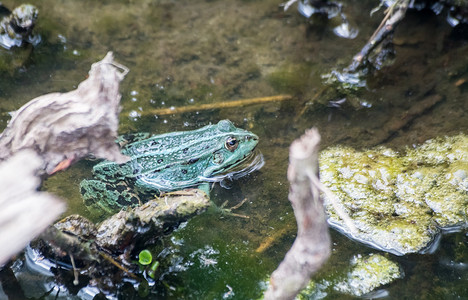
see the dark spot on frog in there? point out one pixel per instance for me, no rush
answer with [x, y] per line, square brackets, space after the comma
[120, 188]
[185, 150]
[136, 171]
[160, 160]
[184, 171]
[121, 200]
[134, 200]
[154, 143]
[191, 161]
[83, 191]
[88, 202]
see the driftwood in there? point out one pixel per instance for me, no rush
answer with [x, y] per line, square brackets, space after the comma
[46, 135]
[61, 128]
[312, 246]
[24, 212]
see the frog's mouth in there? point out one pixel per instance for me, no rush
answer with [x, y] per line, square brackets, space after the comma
[251, 162]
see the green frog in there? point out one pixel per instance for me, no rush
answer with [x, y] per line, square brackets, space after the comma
[170, 162]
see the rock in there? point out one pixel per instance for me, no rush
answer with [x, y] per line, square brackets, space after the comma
[106, 248]
[133, 227]
[367, 274]
[150, 221]
[361, 278]
[399, 201]
[16, 28]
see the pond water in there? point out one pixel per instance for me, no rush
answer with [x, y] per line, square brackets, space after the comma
[206, 51]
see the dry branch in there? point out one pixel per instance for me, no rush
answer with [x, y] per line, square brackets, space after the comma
[62, 128]
[312, 245]
[217, 105]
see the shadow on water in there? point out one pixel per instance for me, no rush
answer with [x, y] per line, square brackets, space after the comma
[194, 52]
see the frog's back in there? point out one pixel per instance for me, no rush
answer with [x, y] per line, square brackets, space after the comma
[180, 159]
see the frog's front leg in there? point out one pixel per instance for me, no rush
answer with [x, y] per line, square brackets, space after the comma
[105, 198]
[205, 187]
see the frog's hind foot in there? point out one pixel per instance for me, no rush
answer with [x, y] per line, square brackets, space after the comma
[228, 211]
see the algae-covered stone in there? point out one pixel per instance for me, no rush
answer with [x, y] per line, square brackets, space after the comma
[399, 201]
[365, 274]
[151, 220]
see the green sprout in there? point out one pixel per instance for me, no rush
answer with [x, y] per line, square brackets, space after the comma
[151, 272]
[145, 257]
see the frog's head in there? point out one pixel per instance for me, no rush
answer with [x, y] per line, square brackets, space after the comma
[234, 146]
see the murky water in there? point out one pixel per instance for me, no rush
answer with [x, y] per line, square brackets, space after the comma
[194, 52]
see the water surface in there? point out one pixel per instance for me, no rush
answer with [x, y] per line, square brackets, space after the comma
[194, 52]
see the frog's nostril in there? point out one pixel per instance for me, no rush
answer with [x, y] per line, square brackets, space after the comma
[250, 137]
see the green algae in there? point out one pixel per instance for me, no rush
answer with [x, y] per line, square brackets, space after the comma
[365, 274]
[399, 201]
[368, 273]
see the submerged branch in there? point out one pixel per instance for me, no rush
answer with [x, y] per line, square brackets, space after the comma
[218, 105]
[312, 245]
[399, 122]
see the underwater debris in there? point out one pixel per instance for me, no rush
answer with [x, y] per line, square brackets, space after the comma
[16, 28]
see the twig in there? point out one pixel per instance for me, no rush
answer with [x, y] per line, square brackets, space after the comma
[394, 15]
[272, 238]
[115, 263]
[332, 199]
[312, 245]
[75, 271]
[217, 105]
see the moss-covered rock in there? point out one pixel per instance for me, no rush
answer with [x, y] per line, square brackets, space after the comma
[365, 274]
[399, 201]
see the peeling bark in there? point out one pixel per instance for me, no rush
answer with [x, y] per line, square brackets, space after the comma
[312, 245]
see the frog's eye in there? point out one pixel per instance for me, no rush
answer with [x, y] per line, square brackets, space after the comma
[231, 143]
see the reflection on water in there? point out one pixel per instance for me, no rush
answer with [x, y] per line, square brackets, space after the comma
[194, 52]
